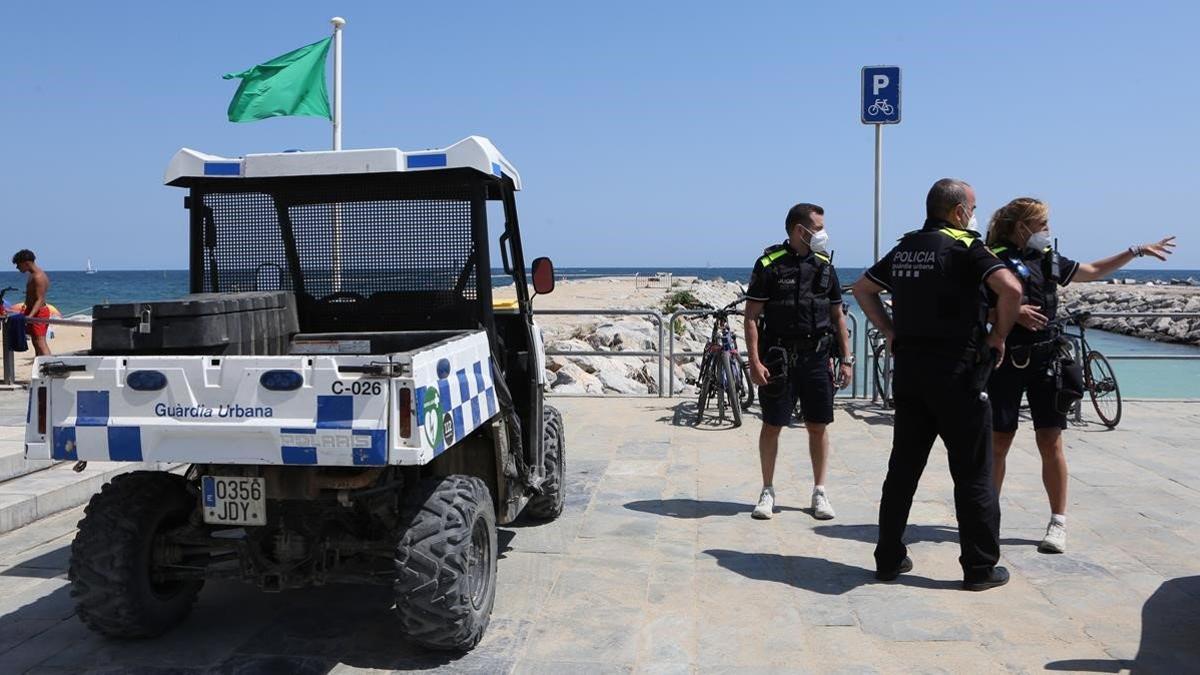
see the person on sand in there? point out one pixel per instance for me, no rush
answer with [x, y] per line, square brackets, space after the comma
[1019, 234]
[35, 299]
[794, 290]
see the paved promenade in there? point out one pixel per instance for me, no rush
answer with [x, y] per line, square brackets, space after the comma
[657, 567]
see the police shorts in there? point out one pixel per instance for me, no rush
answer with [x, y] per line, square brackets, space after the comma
[810, 382]
[1009, 382]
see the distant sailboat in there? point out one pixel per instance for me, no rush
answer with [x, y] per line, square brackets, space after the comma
[90, 269]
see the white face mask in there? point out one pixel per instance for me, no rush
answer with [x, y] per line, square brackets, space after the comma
[819, 241]
[973, 222]
[1039, 240]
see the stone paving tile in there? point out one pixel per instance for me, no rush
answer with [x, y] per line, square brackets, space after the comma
[656, 567]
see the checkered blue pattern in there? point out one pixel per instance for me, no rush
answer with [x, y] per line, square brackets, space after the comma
[92, 437]
[468, 395]
[331, 442]
[333, 438]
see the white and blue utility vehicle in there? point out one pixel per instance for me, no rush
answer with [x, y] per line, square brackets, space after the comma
[343, 398]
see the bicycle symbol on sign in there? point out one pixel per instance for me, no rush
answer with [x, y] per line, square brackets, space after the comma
[880, 107]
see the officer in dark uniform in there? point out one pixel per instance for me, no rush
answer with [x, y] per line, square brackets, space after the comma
[794, 291]
[1019, 235]
[944, 354]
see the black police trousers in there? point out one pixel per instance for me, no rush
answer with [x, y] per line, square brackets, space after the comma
[934, 396]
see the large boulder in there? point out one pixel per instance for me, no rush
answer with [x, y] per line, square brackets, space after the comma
[628, 334]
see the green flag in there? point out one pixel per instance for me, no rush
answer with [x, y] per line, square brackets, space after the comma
[292, 84]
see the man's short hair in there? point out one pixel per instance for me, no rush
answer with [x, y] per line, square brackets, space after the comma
[945, 194]
[802, 214]
[24, 255]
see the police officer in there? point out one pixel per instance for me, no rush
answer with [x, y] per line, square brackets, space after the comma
[943, 355]
[1019, 234]
[794, 290]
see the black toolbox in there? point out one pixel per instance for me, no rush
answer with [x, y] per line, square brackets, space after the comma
[252, 323]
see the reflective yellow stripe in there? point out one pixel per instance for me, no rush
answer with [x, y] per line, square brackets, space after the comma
[999, 249]
[772, 257]
[961, 235]
[822, 256]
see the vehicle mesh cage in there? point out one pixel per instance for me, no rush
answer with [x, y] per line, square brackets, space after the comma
[349, 248]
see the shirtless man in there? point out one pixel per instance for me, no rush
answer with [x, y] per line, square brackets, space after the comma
[35, 298]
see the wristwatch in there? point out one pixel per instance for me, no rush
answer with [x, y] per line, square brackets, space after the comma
[848, 359]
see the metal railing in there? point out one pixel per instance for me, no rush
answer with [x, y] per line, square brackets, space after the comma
[1091, 315]
[654, 316]
[1146, 315]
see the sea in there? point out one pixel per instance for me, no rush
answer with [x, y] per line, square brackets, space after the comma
[75, 292]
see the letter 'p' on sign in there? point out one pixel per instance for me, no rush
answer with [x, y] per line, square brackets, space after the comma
[879, 82]
[881, 95]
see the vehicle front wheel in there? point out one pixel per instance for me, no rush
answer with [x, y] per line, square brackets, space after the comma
[549, 504]
[112, 569]
[446, 563]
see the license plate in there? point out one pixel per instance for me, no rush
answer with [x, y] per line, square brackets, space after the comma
[230, 500]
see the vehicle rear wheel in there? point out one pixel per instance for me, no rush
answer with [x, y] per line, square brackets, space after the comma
[1102, 386]
[549, 504]
[112, 569]
[446, 563]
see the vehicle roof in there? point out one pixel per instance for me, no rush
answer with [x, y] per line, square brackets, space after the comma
[473, 152]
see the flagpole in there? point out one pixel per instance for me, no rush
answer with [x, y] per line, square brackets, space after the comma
[338, 22]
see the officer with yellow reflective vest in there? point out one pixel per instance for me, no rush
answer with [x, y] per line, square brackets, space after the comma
[944, 354]
[1019, 235]
[794, 291]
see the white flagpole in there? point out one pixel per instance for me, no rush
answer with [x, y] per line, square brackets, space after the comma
[338, 22]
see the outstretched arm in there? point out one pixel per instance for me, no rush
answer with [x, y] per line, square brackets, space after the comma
[1106, 266]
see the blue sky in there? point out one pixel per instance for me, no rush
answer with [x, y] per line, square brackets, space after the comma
[647, 134]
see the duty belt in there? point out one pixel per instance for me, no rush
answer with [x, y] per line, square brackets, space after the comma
[1022, 355]
[808, 343]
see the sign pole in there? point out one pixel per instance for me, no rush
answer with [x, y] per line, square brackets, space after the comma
[338, 22]
[878, 183]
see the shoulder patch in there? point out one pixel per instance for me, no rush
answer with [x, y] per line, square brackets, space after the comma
[958, 235]
[772, 257]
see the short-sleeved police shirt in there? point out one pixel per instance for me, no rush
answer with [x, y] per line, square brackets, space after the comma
[1030, 268]
[780, 264]
[970, 265]
[936, 278]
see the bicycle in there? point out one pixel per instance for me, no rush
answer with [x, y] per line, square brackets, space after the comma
[723, 372]
[880, 106]
[1098, 377]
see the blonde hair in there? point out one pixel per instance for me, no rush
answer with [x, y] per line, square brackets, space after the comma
[1020, 210]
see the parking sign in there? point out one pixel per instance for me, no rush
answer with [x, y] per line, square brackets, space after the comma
[881, 95]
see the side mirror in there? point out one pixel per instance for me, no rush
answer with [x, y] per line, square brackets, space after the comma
[543, 276]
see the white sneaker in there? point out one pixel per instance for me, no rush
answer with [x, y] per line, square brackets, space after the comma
[1055, 540]
[766, 505]
[822, 509]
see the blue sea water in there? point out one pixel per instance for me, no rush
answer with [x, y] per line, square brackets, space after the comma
[76, 292]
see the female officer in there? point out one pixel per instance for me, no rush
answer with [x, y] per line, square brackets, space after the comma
[1019, 235]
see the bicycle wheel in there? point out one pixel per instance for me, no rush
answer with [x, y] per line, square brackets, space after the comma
[704, 385]
[1102, 386]
[741, 375]
[731, 390]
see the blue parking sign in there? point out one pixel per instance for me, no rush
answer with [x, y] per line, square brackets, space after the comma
[881, 95]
